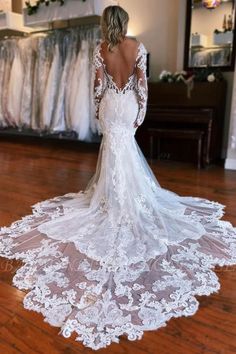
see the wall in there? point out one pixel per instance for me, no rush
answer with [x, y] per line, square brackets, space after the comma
[5, 5]
[155, 23]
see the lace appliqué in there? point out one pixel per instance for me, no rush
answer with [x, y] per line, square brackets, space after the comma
[142, 90]
[129, 86]
[101, 305]
[99, 82]
[136, 82]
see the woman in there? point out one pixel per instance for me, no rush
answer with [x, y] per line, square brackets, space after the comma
[125, 255]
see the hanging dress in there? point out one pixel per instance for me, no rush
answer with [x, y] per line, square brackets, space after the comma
[10, 49]
[51, 89]
[3, 122]
[59, 116]
[80, 102]
[28, 55]
[15, 88]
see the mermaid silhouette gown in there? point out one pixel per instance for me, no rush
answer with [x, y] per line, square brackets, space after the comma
[124, 255]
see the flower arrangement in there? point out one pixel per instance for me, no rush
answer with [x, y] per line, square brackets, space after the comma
[32, 9]
[205, 74]
[189, 77]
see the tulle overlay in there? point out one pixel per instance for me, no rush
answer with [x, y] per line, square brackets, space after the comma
[124, 255]
[101, 300]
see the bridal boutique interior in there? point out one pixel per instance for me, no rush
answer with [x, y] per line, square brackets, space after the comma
[49, 139]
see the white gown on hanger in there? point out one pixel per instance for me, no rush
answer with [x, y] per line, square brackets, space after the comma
[43, 47]
[79, 102]
[70, 89]
[51, 89]
[8, 58]
[80, 105]
[28, 54]
[3, 123]
[124, 255]
[15, 88]
[59, 118]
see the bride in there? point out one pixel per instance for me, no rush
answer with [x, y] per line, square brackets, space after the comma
[124, 255]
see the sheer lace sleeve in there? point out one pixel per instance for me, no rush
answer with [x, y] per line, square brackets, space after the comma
[99, 79]
[142, 89]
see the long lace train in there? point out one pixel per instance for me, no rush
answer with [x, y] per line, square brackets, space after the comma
[101, 296]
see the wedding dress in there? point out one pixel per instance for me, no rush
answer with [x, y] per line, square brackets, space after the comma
[59, 119]
[10, 46]
[51, 89]
[2, 67]
[124, 255]
[15, 87]
[44, 48]
[80, 105]
[28, 54]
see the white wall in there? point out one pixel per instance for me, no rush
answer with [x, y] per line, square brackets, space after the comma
[5, 5]
[155, 23]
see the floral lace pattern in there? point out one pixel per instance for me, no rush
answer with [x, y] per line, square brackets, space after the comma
[142, 83]
[136, 82]
[102, 301]
[124, 255]
[99, 84]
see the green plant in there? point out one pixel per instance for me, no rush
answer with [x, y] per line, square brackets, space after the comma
[32, 9]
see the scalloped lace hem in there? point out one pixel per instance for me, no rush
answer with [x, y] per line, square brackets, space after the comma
[99, 302]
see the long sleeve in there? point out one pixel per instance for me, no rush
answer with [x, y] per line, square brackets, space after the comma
[99, 79]
[142, 88]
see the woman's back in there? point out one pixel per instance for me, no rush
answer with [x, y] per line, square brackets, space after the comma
[120, 62]
[121, 69]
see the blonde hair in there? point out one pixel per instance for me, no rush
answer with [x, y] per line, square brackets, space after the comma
[114, 24]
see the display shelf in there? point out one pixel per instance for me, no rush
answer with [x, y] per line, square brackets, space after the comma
[211, 47]
[223, 38]
[12, 23]
[71, 10]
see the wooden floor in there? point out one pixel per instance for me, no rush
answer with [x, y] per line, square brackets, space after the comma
[33, 171]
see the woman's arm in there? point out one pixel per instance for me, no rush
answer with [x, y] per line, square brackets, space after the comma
[98, 80]
[142, 88]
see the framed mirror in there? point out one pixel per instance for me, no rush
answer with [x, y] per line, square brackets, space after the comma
[210, 34]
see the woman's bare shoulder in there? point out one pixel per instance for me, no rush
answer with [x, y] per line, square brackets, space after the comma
[132, 42]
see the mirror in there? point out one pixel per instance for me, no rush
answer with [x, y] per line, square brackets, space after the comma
[210, 34]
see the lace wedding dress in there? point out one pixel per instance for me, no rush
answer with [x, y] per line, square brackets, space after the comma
[80, 95]
[124, 255]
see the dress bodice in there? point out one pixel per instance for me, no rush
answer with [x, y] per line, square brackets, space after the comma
[137, 81]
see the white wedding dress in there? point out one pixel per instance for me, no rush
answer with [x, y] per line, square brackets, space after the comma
[124, 255]
[80, 95]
